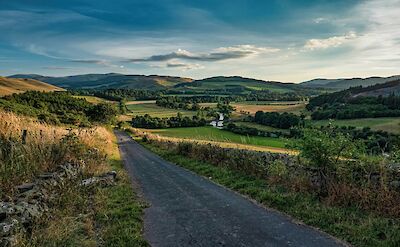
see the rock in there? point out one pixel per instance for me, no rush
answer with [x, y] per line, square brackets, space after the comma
[104, 179]
[46, 176]
[25, 187]
[112, 174]
[89, 181]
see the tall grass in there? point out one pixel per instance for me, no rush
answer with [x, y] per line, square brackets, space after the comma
[29, 147]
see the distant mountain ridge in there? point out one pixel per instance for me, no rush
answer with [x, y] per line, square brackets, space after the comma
[345, 83]
[11, 85]
[113, 80]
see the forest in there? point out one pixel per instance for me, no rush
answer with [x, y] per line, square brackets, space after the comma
[58, 108]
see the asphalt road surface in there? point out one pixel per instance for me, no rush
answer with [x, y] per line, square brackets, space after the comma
[189, 210]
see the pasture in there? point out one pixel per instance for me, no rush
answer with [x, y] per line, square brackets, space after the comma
[391, 125]
[155, 111]
[94, 99]
[213, 134]
[237, 84]
[251, 107]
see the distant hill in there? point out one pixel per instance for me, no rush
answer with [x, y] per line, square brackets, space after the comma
[111, 80]
[384, 89]
[340, 84]
[237, 83]
[13, 85]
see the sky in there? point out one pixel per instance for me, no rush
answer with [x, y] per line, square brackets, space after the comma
[281, 40]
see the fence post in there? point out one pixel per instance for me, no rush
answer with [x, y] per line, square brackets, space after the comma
[24, 134]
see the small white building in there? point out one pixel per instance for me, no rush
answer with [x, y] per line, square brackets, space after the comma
[219, 122]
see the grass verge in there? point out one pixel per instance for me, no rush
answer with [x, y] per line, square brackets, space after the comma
[119, 210]
[350, 224]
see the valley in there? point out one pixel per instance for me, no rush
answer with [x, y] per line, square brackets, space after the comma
[263, 134]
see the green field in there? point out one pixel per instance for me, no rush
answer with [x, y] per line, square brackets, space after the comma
[214, 134]
[156, 111]
[94, 99]
[259, 126]
[386, 124]
[247, 84]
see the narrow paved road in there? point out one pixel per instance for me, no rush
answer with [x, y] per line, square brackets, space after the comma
[188, 210]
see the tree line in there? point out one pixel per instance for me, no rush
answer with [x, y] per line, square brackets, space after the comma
[58, 107]
[149, 122]
[278, 120]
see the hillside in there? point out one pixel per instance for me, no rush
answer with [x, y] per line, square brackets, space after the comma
[12, 85]
[340, 84]
[237, 84]
[110, 80]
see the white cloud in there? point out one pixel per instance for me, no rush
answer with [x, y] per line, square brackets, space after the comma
[335, 41]
[179, 65]
[219, 54]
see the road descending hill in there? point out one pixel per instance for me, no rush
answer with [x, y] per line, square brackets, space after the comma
[13, 85]
[188, 210]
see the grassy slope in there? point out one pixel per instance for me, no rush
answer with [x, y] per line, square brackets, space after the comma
[229, 83]
[386, 124]
[156, 111]
[350, 224]
[10, 85]
[94, 99]
[214, 134]
[253, 106]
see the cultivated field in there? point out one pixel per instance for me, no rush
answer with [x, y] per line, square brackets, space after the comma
[155, 111]
[94, 99]
[259, 126]
[391, 125]
[251, 107]
[214, 134]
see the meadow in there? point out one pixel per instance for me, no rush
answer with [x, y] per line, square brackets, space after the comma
[248, 84]
[155, 111]
[389, 124]
[251, 107]
[213, 134]
[94, 99]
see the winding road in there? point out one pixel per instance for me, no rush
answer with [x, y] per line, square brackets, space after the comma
[189, 210]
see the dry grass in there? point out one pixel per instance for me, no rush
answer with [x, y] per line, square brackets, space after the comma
[10, 85]
[138, 102]
[94, 100]
[269, 107]
[43, 149]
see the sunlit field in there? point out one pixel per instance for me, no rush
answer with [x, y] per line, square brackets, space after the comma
[386, 124]
[155, 111]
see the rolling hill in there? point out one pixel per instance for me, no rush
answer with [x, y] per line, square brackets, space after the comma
[12, 85]
[340, 84]
[237, 84]
[110, 80]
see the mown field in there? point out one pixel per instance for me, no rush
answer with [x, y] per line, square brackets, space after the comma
[94, 99]
[214, 134]
[155, 111]
[250, 85]
[259, 126]
[251, 107]
[386, 124]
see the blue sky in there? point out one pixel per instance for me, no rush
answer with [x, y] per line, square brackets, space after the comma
[283, 40]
